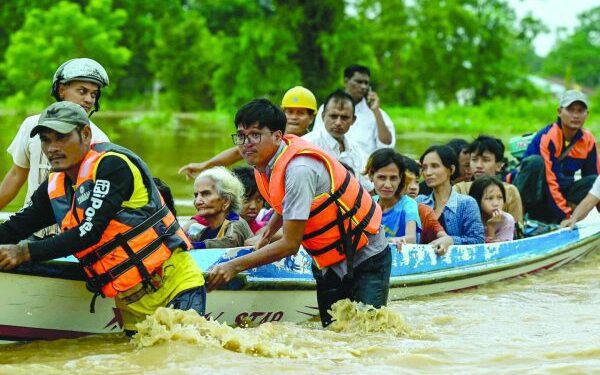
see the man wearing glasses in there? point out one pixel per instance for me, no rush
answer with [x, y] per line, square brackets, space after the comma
[546, 177]
[319, 204]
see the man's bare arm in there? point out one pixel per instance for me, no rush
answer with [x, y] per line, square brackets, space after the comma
[11, 184]
[293, 231]
[225, 158]
[383, 133]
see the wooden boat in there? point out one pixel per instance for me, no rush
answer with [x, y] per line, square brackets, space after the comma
[49, 300]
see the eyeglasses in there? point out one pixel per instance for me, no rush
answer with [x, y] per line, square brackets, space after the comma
[253, 138]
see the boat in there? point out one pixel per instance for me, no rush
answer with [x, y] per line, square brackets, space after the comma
[49, 300]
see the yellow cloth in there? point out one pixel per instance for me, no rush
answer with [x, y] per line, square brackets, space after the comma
[180, 273]
[139, 197]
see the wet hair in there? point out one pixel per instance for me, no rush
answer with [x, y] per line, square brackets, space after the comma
[228, 186]
[479, 185]
[355, 68]
[165, 192]
[447, 156]
[458, 145]
[263, 112]
[384, 157]
[246, 177]
[486, 143]
[338, 96]
[412, 166]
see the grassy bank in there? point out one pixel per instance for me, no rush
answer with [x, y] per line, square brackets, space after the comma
[499, 117]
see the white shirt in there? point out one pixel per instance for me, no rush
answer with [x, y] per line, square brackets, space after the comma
[364, 130]
[595, 191]
[352, 155]
[27, 152]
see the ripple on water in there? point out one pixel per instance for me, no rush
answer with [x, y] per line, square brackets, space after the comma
[546, 323]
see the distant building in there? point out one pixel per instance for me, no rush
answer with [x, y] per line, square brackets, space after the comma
[556, 85]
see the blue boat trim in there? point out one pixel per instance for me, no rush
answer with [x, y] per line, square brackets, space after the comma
[414, 265]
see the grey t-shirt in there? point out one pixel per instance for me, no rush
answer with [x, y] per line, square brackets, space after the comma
[305, 178]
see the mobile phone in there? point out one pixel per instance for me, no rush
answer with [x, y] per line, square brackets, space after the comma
[369, 101]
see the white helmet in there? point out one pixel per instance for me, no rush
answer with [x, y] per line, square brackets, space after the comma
[81, 69]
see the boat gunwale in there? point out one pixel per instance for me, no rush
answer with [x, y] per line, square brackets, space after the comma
[245, 281]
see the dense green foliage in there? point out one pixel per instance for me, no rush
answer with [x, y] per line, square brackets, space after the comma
[46, 39]
[194, 55]
[577, 56]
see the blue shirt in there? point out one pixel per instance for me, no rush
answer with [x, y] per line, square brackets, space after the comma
[462, 219]
[394, 221]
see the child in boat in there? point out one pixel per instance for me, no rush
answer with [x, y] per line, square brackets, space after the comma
[489, 193]
[253, 201]
[218, 197]
[461, 149]
[400, 220]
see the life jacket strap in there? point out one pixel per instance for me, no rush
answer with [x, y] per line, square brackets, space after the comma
[94, 256]
[93, 302]
[96, 283]
[330, 225]
[356, 231]
[333, 197]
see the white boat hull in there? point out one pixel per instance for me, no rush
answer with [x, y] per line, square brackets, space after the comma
[38, 307]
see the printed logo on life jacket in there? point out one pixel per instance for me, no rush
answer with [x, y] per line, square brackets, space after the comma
[83, 196]
[101, 188]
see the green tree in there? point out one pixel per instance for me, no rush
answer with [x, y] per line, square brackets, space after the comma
[143, 21]
[184, 58]
[578, 55]
[226, 16]
[313, 24]
[12, 15]
[258, 63]
[64, 31]
[384, 26]
[468, 44]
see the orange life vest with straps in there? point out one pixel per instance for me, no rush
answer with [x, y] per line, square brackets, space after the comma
[339, 220]
[135, 243]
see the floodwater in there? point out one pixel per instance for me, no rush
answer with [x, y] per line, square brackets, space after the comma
[168, 142]
[544, 323]
[547, 322]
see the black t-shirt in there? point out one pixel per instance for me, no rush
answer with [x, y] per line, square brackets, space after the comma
[113, 172]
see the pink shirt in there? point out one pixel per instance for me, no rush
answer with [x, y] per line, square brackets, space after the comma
[505, 231]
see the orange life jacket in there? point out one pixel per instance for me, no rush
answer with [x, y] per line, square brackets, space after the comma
[339, 220]
[135, 243]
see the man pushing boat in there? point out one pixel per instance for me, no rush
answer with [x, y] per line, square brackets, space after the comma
[319, 204]
[112, 219]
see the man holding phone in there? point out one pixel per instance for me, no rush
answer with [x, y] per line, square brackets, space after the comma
[373, 128]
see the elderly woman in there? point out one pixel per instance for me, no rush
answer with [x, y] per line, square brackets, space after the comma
[218, 197]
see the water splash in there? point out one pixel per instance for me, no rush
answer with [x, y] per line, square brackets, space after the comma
[276, 340]
[176, 325]
[356, 317]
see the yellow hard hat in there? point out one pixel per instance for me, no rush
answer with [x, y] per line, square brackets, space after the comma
[299, 97]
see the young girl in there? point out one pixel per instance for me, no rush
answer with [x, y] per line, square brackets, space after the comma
[401, 222]
[489, 192]
[253, 201]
